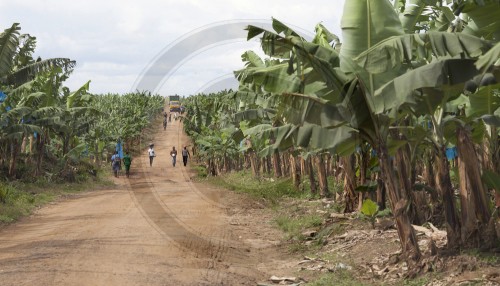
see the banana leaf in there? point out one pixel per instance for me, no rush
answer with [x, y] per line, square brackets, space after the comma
[483, 18]
[395, 51]
[9, 42]
[485, 101]
[491, 58]
[449, 75]
[364, 24]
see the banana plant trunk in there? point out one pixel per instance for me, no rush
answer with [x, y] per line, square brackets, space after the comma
[294, 171]
[381, 193]
[227, 164]
[322, 178]
[23, 144]
[39, 159]
[32, 143]
[276, 165]
[211, 170]
[474, 204]
[303, 167]
[402, 161]
[350, 196]
[13, 158]
[399, 201]
[254, 164]
[363, 170]
[285, 164]
[246, 161]
[312, 180]
[443, 182]
[263, 166]
[65, 149]
[430, 178]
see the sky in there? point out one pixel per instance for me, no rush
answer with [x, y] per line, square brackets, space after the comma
[163, 46]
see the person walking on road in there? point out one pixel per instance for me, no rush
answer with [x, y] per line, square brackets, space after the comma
[185, 155]
[115, 163]
[165, 123]
[173, 153]
[127, 161]
[151, 153]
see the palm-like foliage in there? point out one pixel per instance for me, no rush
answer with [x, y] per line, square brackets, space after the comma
[395, 86]
[43, 120]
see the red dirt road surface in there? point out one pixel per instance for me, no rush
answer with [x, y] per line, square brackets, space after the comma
[156, 228]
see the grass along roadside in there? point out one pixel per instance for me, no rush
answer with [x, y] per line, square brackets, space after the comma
[19, 199]
[347, 249]
[269, 190]
[295, 214]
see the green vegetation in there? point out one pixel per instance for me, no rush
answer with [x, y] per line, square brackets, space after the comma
[420, 281]
[369, 210]
[375, 113]
[294, 226]
[50, 131]
[486, 257]
[371, 117]
[269, 189]
[18, 199]
[340, 277]
[54, 140]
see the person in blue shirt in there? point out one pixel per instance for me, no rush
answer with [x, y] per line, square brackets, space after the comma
[116, 163]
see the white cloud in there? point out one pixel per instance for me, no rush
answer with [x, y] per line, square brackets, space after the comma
[113, 41]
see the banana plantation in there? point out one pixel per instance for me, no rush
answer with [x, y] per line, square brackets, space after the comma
[48, 131]
[404, 111]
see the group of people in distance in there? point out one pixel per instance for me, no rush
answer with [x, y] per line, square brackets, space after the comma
[168, 118]
[173, 154]
[116, 160]
[116, 163]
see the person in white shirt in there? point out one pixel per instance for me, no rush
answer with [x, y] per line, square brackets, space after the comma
[173, 153]
[151, 153]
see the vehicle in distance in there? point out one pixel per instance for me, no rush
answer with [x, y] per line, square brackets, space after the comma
[174, 103]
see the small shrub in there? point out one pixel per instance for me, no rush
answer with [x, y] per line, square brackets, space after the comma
[270, 189]
[384, 213]
[4, 193]
[295, 226]
[201, 171]
[369, 209]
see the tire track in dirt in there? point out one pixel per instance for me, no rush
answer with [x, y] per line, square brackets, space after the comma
[164, 202]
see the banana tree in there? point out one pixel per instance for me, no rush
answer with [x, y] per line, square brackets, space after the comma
[12, 132]
[16, 63]
[433, 98]
[17, 67]
[378, 94]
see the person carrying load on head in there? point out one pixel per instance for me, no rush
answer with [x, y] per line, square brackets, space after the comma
[116, 163]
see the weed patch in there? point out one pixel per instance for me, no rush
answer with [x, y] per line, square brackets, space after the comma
[338, 278]
[269, 189]
[20, 198]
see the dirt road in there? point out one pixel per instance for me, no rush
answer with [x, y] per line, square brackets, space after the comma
[156, 228]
